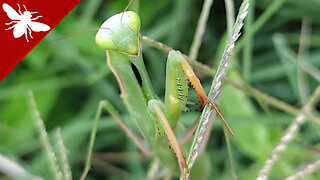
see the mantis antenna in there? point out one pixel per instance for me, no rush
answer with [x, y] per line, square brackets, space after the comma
[125, 9]
[75, 34]
[88, 30]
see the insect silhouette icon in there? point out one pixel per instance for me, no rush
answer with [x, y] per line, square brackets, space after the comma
[23, 23]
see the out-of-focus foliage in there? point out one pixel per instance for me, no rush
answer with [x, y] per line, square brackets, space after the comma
[70, 76]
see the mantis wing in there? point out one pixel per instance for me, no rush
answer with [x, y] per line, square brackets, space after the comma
[11, 13]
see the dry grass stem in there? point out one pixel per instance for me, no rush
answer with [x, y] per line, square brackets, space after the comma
[305, 172]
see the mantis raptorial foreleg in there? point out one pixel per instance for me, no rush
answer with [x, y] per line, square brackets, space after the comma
[156, 108]
[175, 65]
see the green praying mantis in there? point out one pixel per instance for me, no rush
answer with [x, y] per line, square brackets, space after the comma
[156, 120]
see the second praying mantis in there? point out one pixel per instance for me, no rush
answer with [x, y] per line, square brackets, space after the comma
[156, 120]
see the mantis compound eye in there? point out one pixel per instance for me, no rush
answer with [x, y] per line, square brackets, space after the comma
[120, 33]
[133, 21]
[104, 41]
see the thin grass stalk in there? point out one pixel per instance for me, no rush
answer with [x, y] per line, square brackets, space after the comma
[201, 27]
[288, 136]
[303, 84]
[216, 83]
[66, 170]
[311, 168]
[230, 14]
[45, 139]
[207, 134]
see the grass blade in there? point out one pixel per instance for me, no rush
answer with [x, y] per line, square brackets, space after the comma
[201, 27]
[303, 84]
[45, 139]
[63, 157]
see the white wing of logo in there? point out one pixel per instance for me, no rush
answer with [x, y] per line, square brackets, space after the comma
[23, 23]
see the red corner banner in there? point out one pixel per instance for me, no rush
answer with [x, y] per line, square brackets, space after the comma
[23, 24]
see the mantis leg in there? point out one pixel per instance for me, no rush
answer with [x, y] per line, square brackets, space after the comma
[146, 84]
[131, 92]
[156, 109]
[176, 88]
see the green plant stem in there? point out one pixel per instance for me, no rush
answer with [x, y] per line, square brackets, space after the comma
[239, 85]
[201, 27]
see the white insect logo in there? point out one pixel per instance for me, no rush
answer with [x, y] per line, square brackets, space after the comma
[23, 22]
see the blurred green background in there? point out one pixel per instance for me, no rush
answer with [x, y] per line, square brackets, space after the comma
[69, 77]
